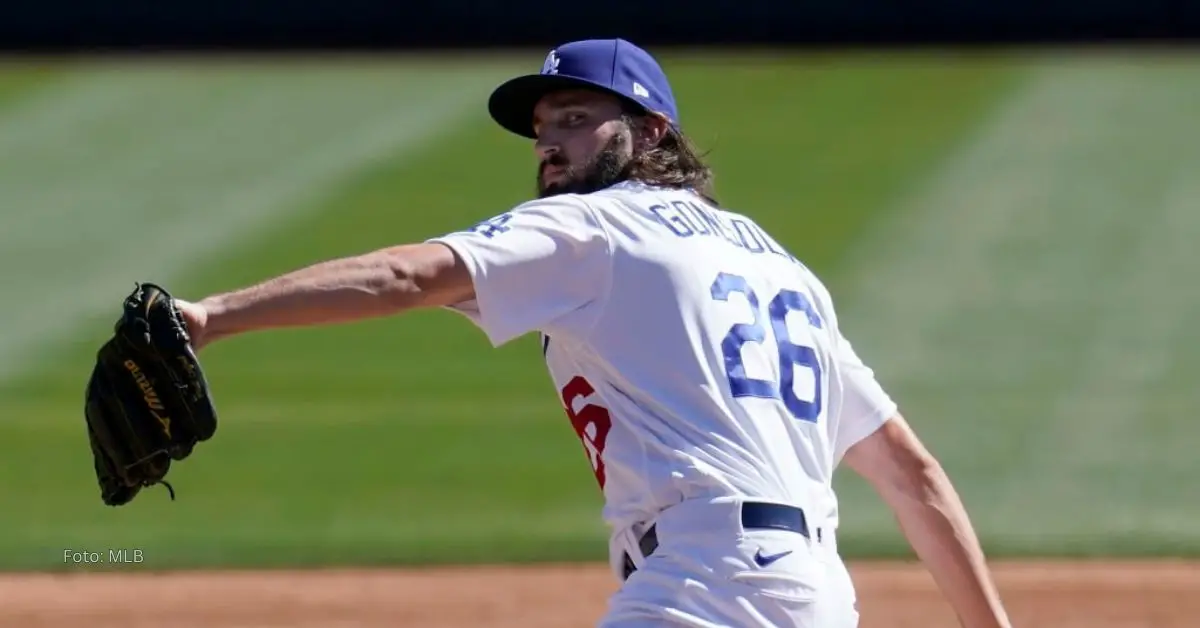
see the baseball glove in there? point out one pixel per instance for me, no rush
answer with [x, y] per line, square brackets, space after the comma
[147, 402]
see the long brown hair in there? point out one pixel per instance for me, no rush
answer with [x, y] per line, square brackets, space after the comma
[675, 162]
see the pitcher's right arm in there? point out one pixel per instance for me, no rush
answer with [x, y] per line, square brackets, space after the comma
[933, 519]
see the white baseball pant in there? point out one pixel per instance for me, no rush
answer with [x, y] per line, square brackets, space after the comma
[704, 574]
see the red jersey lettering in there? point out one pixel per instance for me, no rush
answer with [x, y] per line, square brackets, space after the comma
[591, 422]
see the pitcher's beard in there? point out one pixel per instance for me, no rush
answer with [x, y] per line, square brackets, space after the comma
[607, 167]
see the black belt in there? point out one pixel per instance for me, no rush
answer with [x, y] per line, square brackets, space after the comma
[755, 516]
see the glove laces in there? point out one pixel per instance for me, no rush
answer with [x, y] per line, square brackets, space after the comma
[170, 489]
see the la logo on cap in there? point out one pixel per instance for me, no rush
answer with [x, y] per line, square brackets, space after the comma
[551, 64]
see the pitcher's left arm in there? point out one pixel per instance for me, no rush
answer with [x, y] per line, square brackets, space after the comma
[376, 284]
[535, 267]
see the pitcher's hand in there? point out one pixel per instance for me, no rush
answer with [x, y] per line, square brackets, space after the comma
[196, 317]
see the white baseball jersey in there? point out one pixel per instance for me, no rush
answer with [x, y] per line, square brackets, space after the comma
[694, 356]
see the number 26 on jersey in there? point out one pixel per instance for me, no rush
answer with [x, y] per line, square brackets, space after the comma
[791, 355]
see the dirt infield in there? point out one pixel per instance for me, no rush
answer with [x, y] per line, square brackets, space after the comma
[1058, 595]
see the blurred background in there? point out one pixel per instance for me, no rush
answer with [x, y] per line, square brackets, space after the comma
[1004, 199]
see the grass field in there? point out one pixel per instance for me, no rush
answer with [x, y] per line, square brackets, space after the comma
[1009, 240]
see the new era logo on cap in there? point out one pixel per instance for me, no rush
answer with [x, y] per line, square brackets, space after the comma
[615, 66]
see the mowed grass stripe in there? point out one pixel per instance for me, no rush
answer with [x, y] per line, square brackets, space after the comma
[1013, 272]
[1111, 417]
[195, 163]
[936, 258]
[908, 272]
[44, 112]
[1126, 219]
[159, 126]
[22, 81]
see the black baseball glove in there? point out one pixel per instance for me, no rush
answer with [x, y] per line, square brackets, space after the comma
[147, 402]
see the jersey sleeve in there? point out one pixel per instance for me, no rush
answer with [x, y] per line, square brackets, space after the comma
[536, 268]
[866, 406]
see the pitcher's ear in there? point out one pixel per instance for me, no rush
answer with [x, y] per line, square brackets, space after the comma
[650, 129]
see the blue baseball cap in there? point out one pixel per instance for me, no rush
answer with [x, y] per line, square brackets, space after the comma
[614, 66]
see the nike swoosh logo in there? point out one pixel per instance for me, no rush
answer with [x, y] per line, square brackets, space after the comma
[763, 561]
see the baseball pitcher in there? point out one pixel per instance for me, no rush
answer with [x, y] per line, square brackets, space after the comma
[700, 363]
